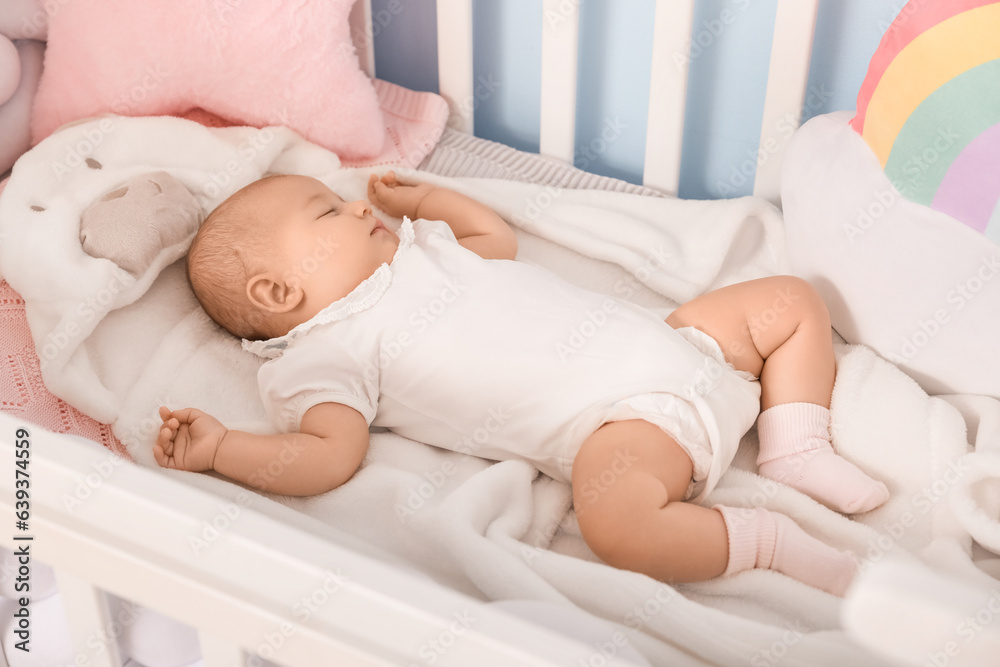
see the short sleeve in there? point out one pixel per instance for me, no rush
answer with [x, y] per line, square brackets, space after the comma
[424, 229]
[317, 369]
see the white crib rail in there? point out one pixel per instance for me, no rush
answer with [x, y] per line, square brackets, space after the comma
[667, 94]
[84, 604]
[455, 73]
[560, 47]
[130, 537]
[787, 79]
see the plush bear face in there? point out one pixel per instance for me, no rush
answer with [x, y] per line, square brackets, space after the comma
[131, 224]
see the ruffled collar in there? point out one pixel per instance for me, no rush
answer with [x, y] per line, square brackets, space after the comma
[362, 297]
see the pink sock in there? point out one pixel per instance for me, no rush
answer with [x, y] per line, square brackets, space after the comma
[759, 538]
[795, 450]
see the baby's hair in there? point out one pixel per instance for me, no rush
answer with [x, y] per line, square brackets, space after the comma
[226, 252]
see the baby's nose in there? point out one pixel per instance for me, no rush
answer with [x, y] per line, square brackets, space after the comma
[360, 208]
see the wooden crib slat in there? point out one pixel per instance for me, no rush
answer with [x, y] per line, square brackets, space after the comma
[668, 94]
[362, 35]
[787, 79]
[89, 620]
[454, 26]
[560, 40]
[217, 652]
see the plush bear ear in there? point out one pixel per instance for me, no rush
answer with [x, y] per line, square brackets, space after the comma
[134, 223]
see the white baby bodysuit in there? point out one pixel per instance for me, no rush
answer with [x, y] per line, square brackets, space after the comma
[502, 359]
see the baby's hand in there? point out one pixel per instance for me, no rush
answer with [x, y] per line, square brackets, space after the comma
[188, 440]
[395, 198]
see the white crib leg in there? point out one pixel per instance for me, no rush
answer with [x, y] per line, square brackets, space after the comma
[217, 652]
[88, 618]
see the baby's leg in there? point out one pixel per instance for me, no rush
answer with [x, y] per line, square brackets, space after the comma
[778, 328]
[629, 479]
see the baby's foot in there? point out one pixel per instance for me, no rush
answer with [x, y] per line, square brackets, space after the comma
[827, 478]
[763, 539]
[795, 450]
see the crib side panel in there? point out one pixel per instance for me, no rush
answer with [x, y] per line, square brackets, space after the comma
[141, 535]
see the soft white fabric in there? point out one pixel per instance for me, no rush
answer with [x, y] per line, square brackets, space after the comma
[947, 622]
[499, 359]
[936, 311]
[495, 531]
[736, 393]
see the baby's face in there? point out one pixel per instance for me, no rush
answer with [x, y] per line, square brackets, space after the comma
[325, 244]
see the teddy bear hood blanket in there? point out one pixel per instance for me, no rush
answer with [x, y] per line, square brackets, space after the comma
[117, 343]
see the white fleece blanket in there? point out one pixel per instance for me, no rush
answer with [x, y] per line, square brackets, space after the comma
[116, 347]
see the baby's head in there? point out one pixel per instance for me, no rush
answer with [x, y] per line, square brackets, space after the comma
[280, 250]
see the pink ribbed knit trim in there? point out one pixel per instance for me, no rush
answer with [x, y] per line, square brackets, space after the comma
[414, 122]
[752, 536]
[791, 428]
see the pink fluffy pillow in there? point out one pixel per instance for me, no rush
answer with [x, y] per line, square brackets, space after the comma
[253, 62]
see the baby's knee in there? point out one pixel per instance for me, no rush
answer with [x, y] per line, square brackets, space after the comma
[612, 515]
[801, 298]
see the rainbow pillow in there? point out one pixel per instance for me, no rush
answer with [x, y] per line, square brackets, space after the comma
[929, 108]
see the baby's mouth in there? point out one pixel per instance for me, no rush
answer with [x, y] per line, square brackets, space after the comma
[378, 226]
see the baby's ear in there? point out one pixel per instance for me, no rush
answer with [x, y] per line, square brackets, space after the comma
[272, 294]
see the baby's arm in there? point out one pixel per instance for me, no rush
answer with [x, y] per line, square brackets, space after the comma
[476, 226]
[326, 451]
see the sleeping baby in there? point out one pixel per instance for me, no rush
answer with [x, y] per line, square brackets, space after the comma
[437, 334]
